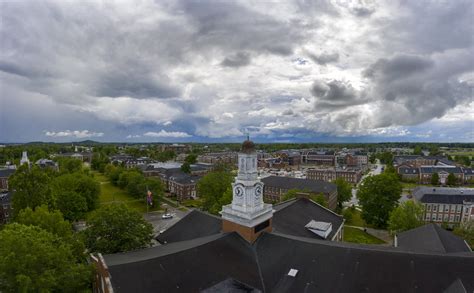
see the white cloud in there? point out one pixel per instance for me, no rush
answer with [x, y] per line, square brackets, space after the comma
[164, 133]
[74, 133]
[133, 136]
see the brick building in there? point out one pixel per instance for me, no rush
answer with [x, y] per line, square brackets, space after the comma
[276, 187]
[446, 205]
[426, 172]
[4, 175]
[352, 176]
[322, 158]
[221, 157]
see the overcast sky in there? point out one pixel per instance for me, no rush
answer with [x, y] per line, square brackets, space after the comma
[189, 70]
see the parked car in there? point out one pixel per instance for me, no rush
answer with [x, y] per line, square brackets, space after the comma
[167, 216]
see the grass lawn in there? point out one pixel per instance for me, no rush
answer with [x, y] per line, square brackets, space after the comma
[355, 235]
[110, 194]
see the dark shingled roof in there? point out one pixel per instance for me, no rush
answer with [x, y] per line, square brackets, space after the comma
[193, 267]
[433, 238]
[323, 266]
[6, 172]
[315, 186]
[437, 169]
[446, 198]
[341, 267]
[194, 225]
[292, 216]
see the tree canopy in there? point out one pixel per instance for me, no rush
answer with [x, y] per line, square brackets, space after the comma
[344, 191]
[33, 259]
[32, 188]
[408, 215]
[212, 187]
[191, 159]
[435, 179]
[451, 180]
[378, 196]
[116, 228]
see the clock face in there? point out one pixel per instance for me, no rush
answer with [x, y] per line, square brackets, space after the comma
[239, 191]
[258, 191]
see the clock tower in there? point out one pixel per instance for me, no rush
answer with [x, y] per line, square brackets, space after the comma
[247, 214]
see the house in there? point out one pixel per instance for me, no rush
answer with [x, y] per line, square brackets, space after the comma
[446, 205]
[252, 249]
[468, 175]
[4, 176]
[350, 175]
[275, 187]
[46, 163]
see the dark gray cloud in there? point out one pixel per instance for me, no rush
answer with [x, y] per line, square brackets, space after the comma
[400, 66]
[335, 94]
[237, 60]
[325, 58]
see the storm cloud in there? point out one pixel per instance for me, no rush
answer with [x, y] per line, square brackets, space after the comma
[198, 70]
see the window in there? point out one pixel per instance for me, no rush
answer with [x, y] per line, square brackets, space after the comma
[446, 218]
[433, 217]
[458, 208]
[453, 208]
[446, 207]
[440, 217]
[435, 208]
[457, 218]
[451, 218]
[428, 217]
[428, 207]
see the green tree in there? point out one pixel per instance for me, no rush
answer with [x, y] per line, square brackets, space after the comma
[53, 222]
[186, 168]
[191, 159]
[32, 188]
[385, 158]
[116, 228]
[71, 204]
[378, 196]
[69, 165]
[434, 151]
[372, 158]
[79, 183]
[34, 260]
[292, 193]
[435, 179]
[348, 214]
[212, 187]
[344, 191]
[451, 180]
[406, 216]
[320, 199]
[418, 151]
[466, 231]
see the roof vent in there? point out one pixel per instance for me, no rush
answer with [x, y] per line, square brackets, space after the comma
[462, 191]
[292, 273]
[434, 189]
[322, 229]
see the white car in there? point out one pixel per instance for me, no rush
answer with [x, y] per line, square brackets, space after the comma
[167, 216]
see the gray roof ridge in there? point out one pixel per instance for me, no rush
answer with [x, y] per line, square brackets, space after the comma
[371, 247]
[254, 251]
[432, 225]
[149, 253]
[286, 203]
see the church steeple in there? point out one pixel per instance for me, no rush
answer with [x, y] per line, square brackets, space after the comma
[247, 214]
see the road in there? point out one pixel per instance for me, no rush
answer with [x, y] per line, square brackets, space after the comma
[376, 171]
[160, 224]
